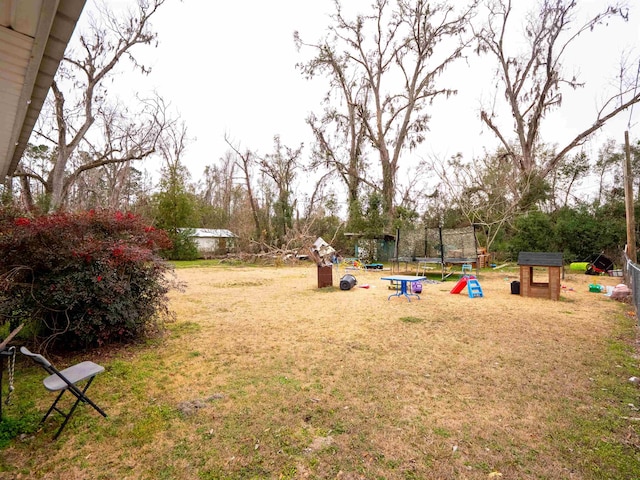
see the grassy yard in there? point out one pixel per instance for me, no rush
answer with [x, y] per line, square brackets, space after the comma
[265, 376]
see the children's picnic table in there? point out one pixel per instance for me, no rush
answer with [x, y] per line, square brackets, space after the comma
[404, 280]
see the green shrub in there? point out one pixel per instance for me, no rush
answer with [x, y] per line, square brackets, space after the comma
[534, 233]
[579, 234]
[183, 245]
[85, 279]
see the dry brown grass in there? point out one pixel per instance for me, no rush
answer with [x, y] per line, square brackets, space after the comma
[265, 376]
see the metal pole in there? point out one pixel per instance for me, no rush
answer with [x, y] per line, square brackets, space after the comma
[441, 251]
[628, 197]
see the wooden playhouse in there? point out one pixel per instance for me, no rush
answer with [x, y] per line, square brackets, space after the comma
[536, 285]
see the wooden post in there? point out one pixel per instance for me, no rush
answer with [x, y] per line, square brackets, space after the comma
[628, 197]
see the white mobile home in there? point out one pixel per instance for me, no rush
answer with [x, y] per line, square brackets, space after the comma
[213, 241]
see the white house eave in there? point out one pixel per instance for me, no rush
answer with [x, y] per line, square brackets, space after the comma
[33, 37]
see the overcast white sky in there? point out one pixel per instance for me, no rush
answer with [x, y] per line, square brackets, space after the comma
[229, 68]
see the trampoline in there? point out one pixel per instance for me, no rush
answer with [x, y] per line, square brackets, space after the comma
[435, 246]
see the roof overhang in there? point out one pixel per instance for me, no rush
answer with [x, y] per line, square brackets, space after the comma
[540, 259]
[33, 37]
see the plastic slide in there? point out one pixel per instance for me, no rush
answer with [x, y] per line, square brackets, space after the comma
[458, 287]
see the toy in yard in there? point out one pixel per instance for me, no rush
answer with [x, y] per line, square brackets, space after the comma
[474, 288]
[580, 267]
[374, 266]
[416, 287]
[351, 264]
[462, 283]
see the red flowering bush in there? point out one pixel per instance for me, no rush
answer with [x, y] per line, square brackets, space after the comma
[83, 279]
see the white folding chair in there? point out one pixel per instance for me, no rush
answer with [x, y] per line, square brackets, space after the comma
[67, 380]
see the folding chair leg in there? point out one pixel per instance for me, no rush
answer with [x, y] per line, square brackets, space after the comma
[66, 418]
[53, 407]
[80, 397]
[86, 399]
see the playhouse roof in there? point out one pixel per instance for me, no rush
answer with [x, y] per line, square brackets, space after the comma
[540, 259]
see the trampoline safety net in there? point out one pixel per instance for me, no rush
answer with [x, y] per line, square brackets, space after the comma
[459, 244]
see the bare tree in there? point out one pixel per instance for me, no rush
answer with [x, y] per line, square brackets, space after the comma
[339, 132]
[415, 191]
[245, 162]
[172, 145]
[534, 81]
[568, 174]
[218, 186]
[225, 199]
[484, 191]
[413, 42]
[117, 186]
[281, 167]
[319, 198]
[79, 103]
[609, 173]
